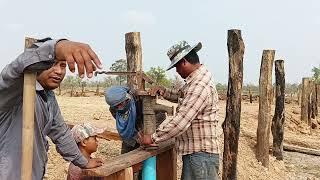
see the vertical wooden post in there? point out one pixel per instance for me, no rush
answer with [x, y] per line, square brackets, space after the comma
[231, 124]
[29, 94]
[98, 89]
[264, 117]
[312, 100]
[317, 98]
[299, 95]
[305, 100]
[149, 118]
[277, 127]
[134, 59]
[250, 96]
[59, 89]
[167, 165]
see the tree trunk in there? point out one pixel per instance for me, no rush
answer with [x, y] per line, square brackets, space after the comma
[279, 113]
[305, 100]
[134, 59]
[231, 125]
[264, 117]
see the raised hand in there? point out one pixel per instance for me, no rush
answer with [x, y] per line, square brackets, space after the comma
[80, 54]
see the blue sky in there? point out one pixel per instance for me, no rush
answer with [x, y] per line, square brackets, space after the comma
[292, 28]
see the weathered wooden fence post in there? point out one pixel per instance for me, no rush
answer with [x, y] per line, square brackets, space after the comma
[231, 125]
[134, 59]
[312, 100]
[250, 96]
[277, 126]
[299, 95]
[264, 117]
[317, 98]
[29, 95]
[98, 89]
[305, 99]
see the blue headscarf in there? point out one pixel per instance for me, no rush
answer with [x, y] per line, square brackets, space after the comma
[125, 119]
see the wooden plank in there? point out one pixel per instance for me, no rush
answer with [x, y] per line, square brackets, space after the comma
[231, 125]
[277, 127]
[264, 117]
[167, 165]
[29, 94]
[127, 160]
[124, 174]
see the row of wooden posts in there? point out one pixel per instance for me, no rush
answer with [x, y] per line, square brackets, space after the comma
[309, 106]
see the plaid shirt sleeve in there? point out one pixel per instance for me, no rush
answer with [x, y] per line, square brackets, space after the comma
[193, 103]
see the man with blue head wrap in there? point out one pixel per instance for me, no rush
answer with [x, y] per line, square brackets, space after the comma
[124, 106]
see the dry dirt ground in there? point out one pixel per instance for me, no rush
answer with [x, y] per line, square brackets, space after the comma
[295, 165]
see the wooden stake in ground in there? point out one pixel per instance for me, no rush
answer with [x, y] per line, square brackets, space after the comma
[29, 94]
[299, 95]
[305, 99]
[134, 59]
[250, 96]
[231, 125]
[317, 98]
[277, 126]
[264, 117]
[312, 101]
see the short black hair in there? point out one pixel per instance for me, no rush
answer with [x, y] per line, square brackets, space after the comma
[192, 57]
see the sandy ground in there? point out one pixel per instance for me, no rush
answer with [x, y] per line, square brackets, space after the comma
[295, 165]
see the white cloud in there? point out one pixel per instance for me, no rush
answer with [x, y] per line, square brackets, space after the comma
[139, 18]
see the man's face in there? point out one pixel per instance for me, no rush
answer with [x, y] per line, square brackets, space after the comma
[51, 78]
[181, 68]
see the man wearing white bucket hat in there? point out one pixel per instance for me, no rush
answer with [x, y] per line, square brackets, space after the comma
[195, 125]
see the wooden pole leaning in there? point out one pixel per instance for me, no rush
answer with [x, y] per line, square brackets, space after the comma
[29, 94]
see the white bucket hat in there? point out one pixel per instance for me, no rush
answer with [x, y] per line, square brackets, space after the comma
[180, 50]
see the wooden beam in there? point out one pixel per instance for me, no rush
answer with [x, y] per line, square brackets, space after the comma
[277, 127]
[264, 117]
[29, 94]
[231, 125]
[303, 150]
[127, 160]
[290, 147]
